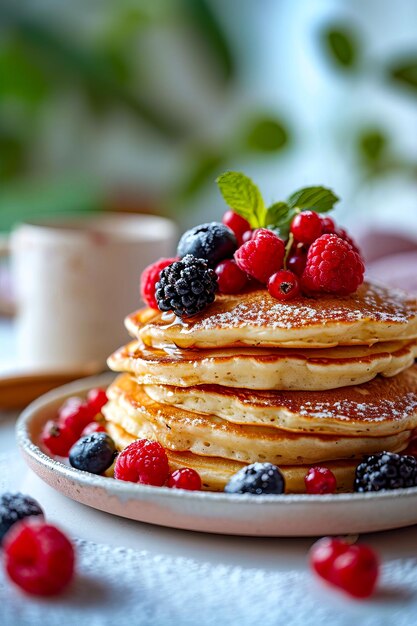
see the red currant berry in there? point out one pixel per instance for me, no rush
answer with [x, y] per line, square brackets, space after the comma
[184, 479]
[96, 399]
[356, 571]
[230, 277]
[306, 227]
[38, 558]
[328, 225]
[297, 261]
[144, 462]
[57, 439]
[324, 552]
[284, 285]
[93, 427]
[74, 415]
[320, 480]
[248, 235]
[236, 223]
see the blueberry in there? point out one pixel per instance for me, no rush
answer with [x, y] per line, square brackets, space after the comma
[258, 478]
[212, 242]
[14, 507]
[93, 453]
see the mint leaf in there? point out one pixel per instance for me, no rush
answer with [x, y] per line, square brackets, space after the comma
[317, 199]
[243, 197]
[277, 213]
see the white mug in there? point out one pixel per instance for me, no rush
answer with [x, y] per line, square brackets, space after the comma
[75, 281]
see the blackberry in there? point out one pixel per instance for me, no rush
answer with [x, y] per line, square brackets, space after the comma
[386, 470]
[213, 242]
[14, 507]
[186, 287]
[93, 453]
[258, 478]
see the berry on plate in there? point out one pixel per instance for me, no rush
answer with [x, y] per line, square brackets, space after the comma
[38, 558]
[186, 287]
[306, 227]
[93, 427]
[258, 479]
[15, 507]
[185, 478]
[96, 399]
[284, 285]
[353, 568]
[237, 224]
[149, 278]
[144, 462]
[332, 267]
[297, 261]
[320, 480]
[212, 242]
[57, 439]
[262, 256]
[74, 415]
[386, 470]
[93, 453]
[230, 277]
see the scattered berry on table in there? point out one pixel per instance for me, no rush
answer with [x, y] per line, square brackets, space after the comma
[144, 462]
[258, 479]
[38, 558]
[262, 256]
[149, 278]
[306, 227]
[56, 439]
[15, 507]
[332, 267]
[230, 277]
[93, 453]
[284, 285]
[212, 242]
[386, 470]
[96, 399]
[320, 480]
[186, 287]
[237, 224]
[74, 415]
[354, 568]
[93, 427]
[185, 478]
[297, 261]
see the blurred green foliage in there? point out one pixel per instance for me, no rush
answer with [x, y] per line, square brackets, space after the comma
[341, 45]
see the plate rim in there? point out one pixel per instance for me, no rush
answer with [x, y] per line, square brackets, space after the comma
[126, 488]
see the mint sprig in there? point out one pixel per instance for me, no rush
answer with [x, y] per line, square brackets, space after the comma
[244, 197]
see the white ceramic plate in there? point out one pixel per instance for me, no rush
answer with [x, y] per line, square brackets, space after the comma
[269, 516]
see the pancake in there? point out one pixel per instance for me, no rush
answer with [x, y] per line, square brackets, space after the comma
[274, 368]
[380, 407]
[372, 314]
[216, 472]
[207, 435]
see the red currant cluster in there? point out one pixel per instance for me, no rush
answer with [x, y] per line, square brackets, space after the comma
[146, 462]
[76, 418]
[317, 258]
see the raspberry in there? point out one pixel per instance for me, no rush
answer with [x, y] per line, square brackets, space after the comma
[353, 568]
[343, 234]
[237, 224]
[39, 558]
[320, 480]
[149, 278]
[15, 507]
[96, 399]
[332, 267]
[58, 440]
[93, 427]
[284, 285]
[74, 415]
[262, 256]
[184, 479]
[230, 277]
[306, 227]
[144, 462]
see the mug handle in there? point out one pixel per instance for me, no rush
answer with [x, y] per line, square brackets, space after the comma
[7, 307]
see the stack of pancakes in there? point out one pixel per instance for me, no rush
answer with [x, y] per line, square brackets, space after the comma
[313, 381]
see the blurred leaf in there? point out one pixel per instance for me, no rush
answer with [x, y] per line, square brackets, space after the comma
[405, 73]
[372, 146]
[12, 155]
[203, 170]
[20, 75]
[341, 45]
[266, 135]
[210, 28]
